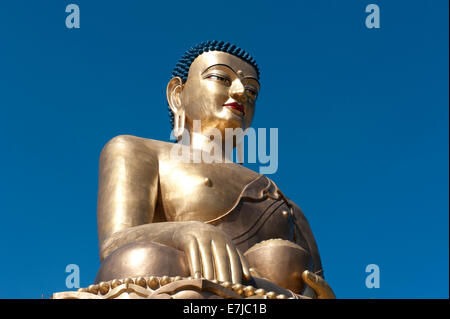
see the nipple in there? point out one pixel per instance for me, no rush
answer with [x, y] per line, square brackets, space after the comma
[207, 182]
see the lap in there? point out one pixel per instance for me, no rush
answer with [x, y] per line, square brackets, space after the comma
[143, 259]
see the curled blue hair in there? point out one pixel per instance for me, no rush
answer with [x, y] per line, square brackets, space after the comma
[181, 69]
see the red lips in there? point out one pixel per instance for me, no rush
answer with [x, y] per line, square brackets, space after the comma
[236, 106]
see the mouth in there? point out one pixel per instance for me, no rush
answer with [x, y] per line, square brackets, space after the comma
[235, 106]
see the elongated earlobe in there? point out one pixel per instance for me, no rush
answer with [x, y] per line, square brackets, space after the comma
[178, 125]
[173, 92]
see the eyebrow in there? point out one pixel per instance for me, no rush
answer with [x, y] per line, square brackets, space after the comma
[227, 66]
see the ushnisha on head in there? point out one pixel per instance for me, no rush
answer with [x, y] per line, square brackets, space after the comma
[214, 82]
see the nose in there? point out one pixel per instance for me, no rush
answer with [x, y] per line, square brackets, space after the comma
[237, 92]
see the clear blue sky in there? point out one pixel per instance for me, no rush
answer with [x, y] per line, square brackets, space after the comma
[362, 117]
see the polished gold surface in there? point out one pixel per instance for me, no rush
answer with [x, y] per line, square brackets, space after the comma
[215, 78]
[175, 288]
[195, 229]
[270, 259]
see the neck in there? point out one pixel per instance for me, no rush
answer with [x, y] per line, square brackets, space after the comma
[213, 146]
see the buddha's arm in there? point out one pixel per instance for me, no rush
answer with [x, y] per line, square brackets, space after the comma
[127, 196]
[128, 188]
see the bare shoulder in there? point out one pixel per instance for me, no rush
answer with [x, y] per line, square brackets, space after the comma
[134, 146]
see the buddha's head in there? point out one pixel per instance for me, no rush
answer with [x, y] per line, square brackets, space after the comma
[214, 82]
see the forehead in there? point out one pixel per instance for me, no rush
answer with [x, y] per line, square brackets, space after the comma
[207, 59]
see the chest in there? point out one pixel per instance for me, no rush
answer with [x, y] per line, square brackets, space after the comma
[201, 191]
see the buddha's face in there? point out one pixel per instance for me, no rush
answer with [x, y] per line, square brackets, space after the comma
[221, 91]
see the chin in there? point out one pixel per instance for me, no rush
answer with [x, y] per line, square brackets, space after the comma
[231, 120]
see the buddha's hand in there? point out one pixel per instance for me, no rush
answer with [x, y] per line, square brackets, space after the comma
[319, 285]
[210, 252]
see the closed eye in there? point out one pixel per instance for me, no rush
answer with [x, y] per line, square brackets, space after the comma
[252, 92]
[219, 78]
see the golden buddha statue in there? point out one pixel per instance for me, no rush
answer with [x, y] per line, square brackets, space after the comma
[207, 230]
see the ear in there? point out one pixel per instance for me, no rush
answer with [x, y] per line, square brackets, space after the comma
[173, 92]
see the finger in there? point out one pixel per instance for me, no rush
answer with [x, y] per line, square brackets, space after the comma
[221, 261]
[319, 285]
[235, 265]
[207, 260]
[245, 268]
[193, 257]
